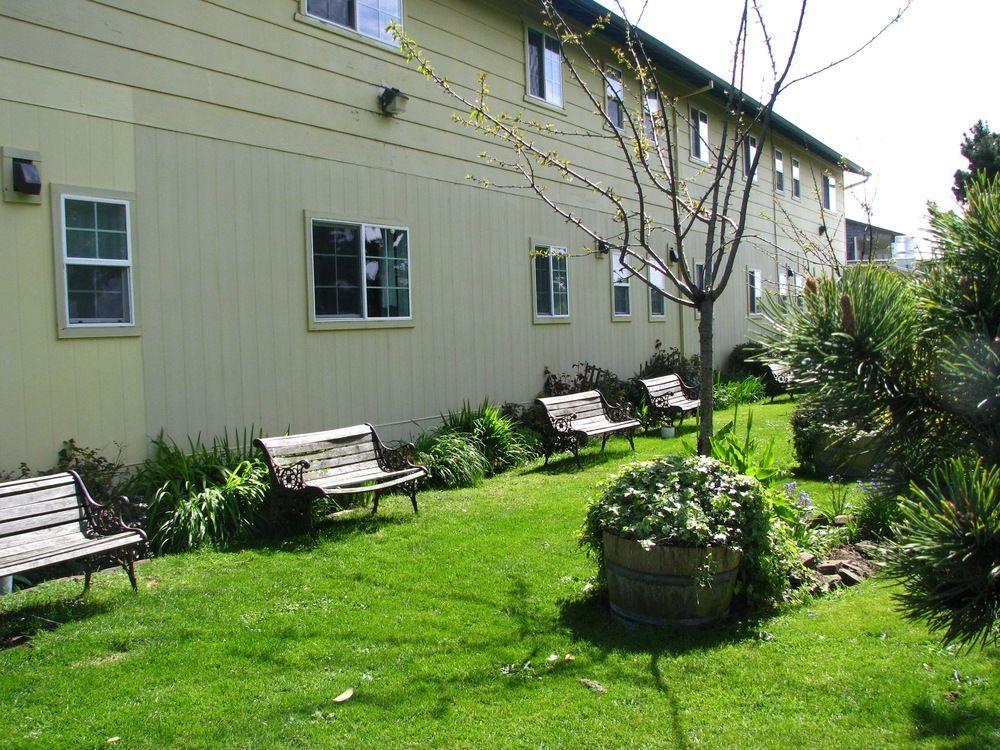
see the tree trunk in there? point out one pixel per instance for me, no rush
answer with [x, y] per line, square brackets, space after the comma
[706, 344]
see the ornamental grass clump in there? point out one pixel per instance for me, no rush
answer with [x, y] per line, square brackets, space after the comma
[696, 501]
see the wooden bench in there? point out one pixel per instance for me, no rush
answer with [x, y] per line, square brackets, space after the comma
[669, 397]
[347, 461]
[575, 417]
[778, 379]
[53, 519]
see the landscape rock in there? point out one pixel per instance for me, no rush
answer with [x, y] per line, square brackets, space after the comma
[850, 577]
[829, 567]
[842, 520]
[807, 560]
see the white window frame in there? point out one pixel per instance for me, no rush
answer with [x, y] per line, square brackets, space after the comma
[779, 171]
[800, 283]
[750, 147]
[648, 115]
[755, 291]
[544, 99]
[783, 272]
[656, 276]
[81, 329]
[612, 76]
[305, 15]
[552, 250]
[341, 322]
[796, 186]
[615, 257]
[829, 193]
[700, 137]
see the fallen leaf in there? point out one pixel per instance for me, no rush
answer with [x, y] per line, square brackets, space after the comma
[113, 740]
[569, 657]
[344, 696]
[150, 584]
[594, 685]
[553, 657]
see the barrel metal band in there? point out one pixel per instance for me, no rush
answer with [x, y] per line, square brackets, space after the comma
[666, 580]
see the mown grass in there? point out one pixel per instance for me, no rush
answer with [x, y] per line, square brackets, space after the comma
[445, 624]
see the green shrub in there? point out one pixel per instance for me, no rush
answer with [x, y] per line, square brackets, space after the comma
[743, 361]
[206, 494]
[948, 553]
[730, 393]
[745, 454]
[696, 501]
[503, 446]
[454, 459]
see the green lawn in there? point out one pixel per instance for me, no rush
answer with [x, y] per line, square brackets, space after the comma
[454, 627]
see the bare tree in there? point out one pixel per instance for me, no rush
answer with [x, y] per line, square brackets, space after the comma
[703, 219]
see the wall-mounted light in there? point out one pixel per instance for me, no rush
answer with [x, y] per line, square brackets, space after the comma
[21, 175]
[822, 228]
[674, 257]
[791, 273]
[603, 248]
[26, 178]
[393, 101]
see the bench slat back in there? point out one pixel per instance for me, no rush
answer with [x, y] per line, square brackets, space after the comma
[38, 510]
[343, 452]
[666, 385]
[586, 405]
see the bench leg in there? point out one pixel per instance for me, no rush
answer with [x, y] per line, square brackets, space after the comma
[576, 455]
[413, 497]
[129, 566]
[375, 504]
[631, 440]
[604, 441]
[87, 575]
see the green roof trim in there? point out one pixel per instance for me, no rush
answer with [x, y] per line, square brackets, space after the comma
[677, 64]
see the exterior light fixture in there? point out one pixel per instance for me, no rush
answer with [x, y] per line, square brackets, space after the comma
[674, 257]
[393, 101]
[790, 273]
[26, 178]
[603, 248]
[822, 228]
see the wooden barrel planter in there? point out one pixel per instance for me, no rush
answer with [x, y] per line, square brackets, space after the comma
[657, 586]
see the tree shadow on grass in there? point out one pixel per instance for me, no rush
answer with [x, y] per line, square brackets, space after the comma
[566, 464]
[590, 619]
[19, 626]
[334, 528]
[965, 726]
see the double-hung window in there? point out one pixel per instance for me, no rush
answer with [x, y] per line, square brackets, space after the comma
[651, 113]
[551, 282]
[829, 193]
[784, 273]
[96, 262]
[796, 179]
[755, 290]
[545, 79]
[368, 17]
[779, 171]
[621, 300]
[360, 271]
[657, 299]
[749, 155]
[614, 96]
[699, 135]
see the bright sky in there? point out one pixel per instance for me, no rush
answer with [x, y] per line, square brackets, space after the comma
[899, 108]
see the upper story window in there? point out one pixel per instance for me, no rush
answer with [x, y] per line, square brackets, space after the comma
[749, 155]
[551, 282]
[779, 171]
[657, 299]
[368, 17]
[755, 290]
[651, 117]
[96, 260]
[620, 287]
[545, 79]
[614, 96]
[829, 193]
[699, 135]
[796, 179]
[360, 271]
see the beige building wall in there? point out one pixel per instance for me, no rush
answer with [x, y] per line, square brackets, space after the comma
[231, 120]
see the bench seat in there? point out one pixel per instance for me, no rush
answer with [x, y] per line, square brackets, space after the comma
[668, 397]
[53, 519]
[346, 461]
[574, 417]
